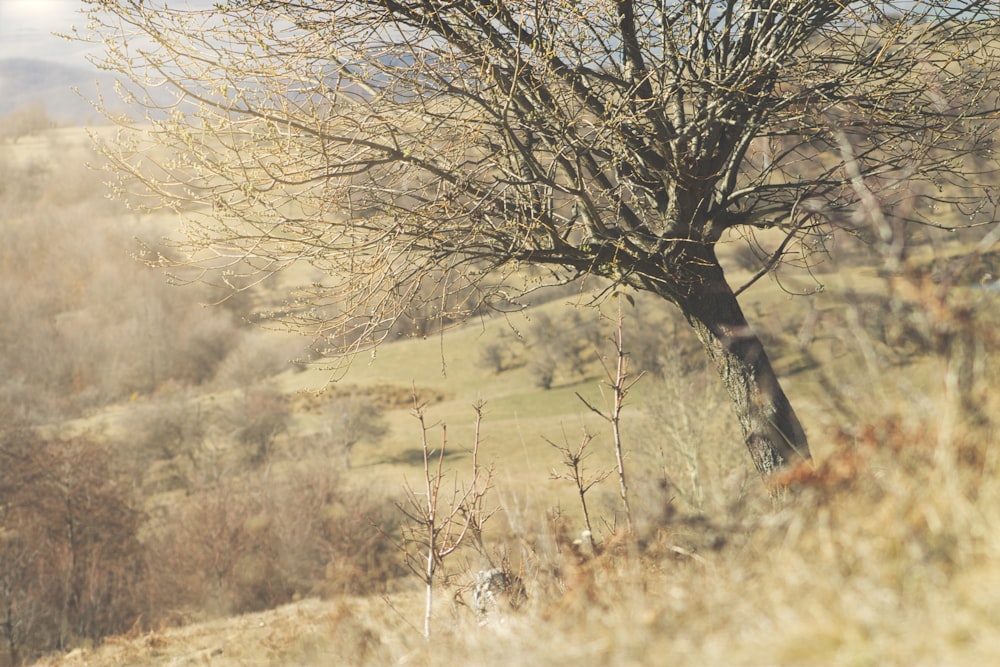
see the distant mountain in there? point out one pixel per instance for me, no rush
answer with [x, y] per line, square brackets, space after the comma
[25, 81]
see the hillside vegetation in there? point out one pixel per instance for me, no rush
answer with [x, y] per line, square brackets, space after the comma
[175, 490]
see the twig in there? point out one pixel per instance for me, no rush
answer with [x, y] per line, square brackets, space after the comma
[574, 461]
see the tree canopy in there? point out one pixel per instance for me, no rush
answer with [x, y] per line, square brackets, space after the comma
[430, 150]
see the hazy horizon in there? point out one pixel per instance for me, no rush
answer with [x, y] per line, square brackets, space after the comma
[39, 66]
[27, 30]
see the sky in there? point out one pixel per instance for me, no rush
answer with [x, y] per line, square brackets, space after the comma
[26, 28]
[26, 34]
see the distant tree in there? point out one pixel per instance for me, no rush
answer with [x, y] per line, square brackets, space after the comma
[545, 350]
[405, 144]
[25, 121]
[350, 420]
[494, 356]
[565, 344]
[168, 425]
[258, 418]
[253, 359]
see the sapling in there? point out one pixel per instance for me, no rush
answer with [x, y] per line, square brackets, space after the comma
[620, 381]
[438, 526]
[574, 461]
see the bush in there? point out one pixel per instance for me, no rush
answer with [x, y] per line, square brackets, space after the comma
[687, 434]
[237, 547]
[71, 565]
[165, 426]
[257, 419]
[253, 356]
[24, 122]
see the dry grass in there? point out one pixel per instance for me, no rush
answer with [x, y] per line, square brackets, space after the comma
[888, 554]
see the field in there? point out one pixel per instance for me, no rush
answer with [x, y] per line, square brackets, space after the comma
[885, 551]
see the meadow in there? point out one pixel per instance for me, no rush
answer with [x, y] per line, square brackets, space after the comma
[239, 508]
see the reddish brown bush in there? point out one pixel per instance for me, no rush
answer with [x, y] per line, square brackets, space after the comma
[246, 546]
[71, 564]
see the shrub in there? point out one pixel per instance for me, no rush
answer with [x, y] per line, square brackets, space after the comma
[253, 356]
[71, 565]
[166, 425]
[258, 418]
[24, 122]
[238, 547]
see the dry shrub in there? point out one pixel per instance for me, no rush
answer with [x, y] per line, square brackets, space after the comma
[687, 435]
[383, 396]
[922, 492]
[28, 120]
[238, 547]
[254, 356]
[879, 536]
[256, 419]
[352, 419]
[166, 425]
[71, 565]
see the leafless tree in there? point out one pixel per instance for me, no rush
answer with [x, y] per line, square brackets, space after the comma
[398, 145]
[584, 482]
[257, 419]
[353, 419]
[620, 381]
[436, 524]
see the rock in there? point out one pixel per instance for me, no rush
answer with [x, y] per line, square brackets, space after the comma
[495, 590]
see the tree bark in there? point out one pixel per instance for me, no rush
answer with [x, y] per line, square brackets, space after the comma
[771, 429]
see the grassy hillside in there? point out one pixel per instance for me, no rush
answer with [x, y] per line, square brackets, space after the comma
[885, 551]
[887, 554]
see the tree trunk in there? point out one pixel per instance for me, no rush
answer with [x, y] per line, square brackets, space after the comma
[771, 429]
